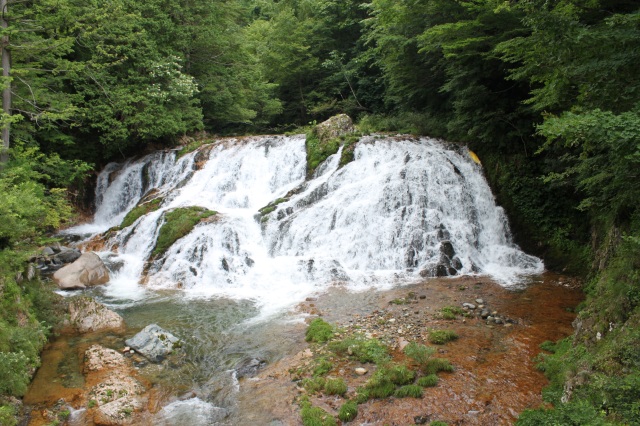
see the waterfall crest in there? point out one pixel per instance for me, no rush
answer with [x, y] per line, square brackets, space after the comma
[404, 208]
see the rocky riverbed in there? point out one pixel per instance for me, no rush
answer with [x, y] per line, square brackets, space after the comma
[495, 376]
[494, 379]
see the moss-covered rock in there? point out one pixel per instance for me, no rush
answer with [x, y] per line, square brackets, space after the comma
[143, 208]
[325, 140]
[178, 223]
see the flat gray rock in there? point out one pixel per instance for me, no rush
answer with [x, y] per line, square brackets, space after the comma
[153, 343]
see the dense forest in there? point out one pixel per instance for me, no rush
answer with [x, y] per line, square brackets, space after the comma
[547, 92]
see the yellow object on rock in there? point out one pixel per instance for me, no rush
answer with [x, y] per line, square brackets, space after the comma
[474, 157]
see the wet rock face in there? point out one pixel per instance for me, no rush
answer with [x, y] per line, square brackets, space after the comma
[448, 265]
[88, 270]
[153, 343]
[87, 316]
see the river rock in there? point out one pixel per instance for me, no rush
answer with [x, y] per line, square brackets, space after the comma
[118, 412]
[153, 343]
[86, 316]
[336, 126]
[249, 368]
[67, 255]
[360, 371]
[98, 358]
[88, 270]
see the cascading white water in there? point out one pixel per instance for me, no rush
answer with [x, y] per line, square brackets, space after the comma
[403, 208]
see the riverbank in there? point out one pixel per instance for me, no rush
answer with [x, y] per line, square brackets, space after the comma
[495, 376]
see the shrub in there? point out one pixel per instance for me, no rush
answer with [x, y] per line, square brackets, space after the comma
[419, 353]
[381, 390]
[348, 411]
[436, 365]
[323, 367]
[451, 312]
[440, 337]
[364, 350]
[428, 381]
[438, 423]
[400, 375]
[314, 385]
[319, 331]
[7, 415]
[335, 387]
[362, 395]
[315, 416]
[413, 391]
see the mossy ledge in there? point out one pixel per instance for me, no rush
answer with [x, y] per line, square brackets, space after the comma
[178, 223]
[140, 210]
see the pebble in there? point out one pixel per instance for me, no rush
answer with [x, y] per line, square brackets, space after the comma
[361, 371]
[126, 349]
[479, 301]
[469, 305]
[422, 296]
[392, 320]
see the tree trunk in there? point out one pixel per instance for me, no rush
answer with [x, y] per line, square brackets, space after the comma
[6, 92]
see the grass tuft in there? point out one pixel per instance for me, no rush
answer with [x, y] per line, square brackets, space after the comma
[440, 337]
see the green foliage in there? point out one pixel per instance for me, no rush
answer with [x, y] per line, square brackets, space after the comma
[319, 331]
[574, 414]
[139, 211]
[438, 423]
[363, 349]
[440, 337]
[421, 354]
[428, 381]
[314, 384]
[8, 415]
[451, 312]
[177, 224]
[412, 391]
[348, 411]
[318, 151]
[315, 416]
[323, 366]
[14, 373]
[335, 387]
[436, 365]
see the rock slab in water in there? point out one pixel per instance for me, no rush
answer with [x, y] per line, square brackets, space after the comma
[88, 270]
[86, 316]
[153, 342]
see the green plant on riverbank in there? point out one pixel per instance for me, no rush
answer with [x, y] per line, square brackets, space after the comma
[178, 223]
[407, 377]
[440, 337]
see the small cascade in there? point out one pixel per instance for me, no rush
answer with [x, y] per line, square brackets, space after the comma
[405, 208]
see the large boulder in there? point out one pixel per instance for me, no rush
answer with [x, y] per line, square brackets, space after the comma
[87, 316]
[153, 343]
[336, 126]
[88, 270]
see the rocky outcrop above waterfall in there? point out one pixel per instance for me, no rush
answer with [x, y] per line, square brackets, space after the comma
[88, 270]
[154, 343]
[336, 126]
[88, 316]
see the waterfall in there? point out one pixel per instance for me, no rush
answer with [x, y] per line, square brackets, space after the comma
[405, 208]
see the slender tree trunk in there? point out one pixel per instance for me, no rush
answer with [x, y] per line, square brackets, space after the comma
[6, 92]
